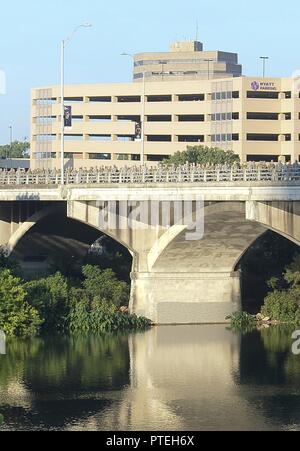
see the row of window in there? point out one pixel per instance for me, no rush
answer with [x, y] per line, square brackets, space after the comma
[215, 96]
[101, 156]
[168, 138]
[169, 118]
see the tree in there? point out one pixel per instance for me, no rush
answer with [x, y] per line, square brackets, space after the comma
[203, 155]
[50, 297]
[18, 149]
[17, 317]
[103, 285]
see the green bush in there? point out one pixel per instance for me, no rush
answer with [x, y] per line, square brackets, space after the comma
[104, 285]
[242, 321]
[50, 297]
[102, 317]
[284, 304]
[17, 317]
[203, 155]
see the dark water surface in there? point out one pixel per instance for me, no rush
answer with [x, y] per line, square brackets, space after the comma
[169, 378]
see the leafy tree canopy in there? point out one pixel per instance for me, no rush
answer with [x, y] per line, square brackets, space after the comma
[203, 155]
[18, 149]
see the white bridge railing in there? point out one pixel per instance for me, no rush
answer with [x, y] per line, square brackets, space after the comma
[138, 175]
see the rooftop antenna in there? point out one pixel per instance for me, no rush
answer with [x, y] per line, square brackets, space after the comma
[197, 30]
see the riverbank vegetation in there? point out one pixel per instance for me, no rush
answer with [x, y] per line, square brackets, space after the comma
[281, 304]
[96, 302]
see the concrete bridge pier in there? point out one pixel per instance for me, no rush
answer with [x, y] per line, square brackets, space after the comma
[186, 298]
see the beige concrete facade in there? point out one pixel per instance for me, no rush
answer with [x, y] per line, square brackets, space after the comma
[259, 119]
[186, 61]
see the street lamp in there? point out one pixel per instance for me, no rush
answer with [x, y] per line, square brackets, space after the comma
[264, 61]
[64, 43]
[9, 152]
[208, 61]
[143, 110]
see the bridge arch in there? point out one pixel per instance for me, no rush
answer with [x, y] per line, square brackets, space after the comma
[29, 223]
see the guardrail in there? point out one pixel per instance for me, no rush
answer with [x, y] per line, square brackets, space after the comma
[143, 175]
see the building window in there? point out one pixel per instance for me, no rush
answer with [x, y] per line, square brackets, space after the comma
[191, 97]
[129, 99]
[261, 137]
[225, 95]
[45, 102]
[122, 157]
[41, 120]
[263, 116]
[135, 157]
[161, 118]
[288, 94]
[100, 118]
[288, 137]
[100, 99]
[100, 137]
[100, 156]
[125, 138]
[129, 118]
[45, 138]
[77, 118]
[157, 157]
[73, 99]
[224, 138]
[44, 155]
[159, 138]
[70, 137]
[191, 138]
[288, 116]
[262, 95]
[191, 118]
[161, 98]
[262, 158]
[221, 117]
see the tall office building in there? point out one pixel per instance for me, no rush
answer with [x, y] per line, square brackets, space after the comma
[186, 61]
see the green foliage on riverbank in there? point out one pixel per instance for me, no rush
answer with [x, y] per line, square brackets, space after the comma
[17, 316]
[203, 155]
[56, 303]
[283, 302]
[242, 321]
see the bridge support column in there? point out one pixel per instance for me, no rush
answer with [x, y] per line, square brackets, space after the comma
[182, 298]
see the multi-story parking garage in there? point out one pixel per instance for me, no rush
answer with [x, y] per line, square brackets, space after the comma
[257, 118]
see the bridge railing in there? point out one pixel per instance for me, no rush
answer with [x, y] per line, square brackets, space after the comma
[143, 175]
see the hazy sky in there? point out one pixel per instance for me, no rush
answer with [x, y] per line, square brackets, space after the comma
[31, 30]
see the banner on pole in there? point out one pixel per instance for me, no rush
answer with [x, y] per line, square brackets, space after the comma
[68, 116]
[138, 131]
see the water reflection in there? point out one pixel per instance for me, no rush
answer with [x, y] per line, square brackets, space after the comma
[170, 378]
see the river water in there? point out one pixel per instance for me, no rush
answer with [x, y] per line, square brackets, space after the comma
[187, 378]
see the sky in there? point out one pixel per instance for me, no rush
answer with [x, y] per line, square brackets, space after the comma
[31, 31]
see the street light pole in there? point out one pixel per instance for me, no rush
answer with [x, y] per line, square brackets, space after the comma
[9, 152]
[143, 120]
[64, 43]
[62, 96]
[264, 61]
